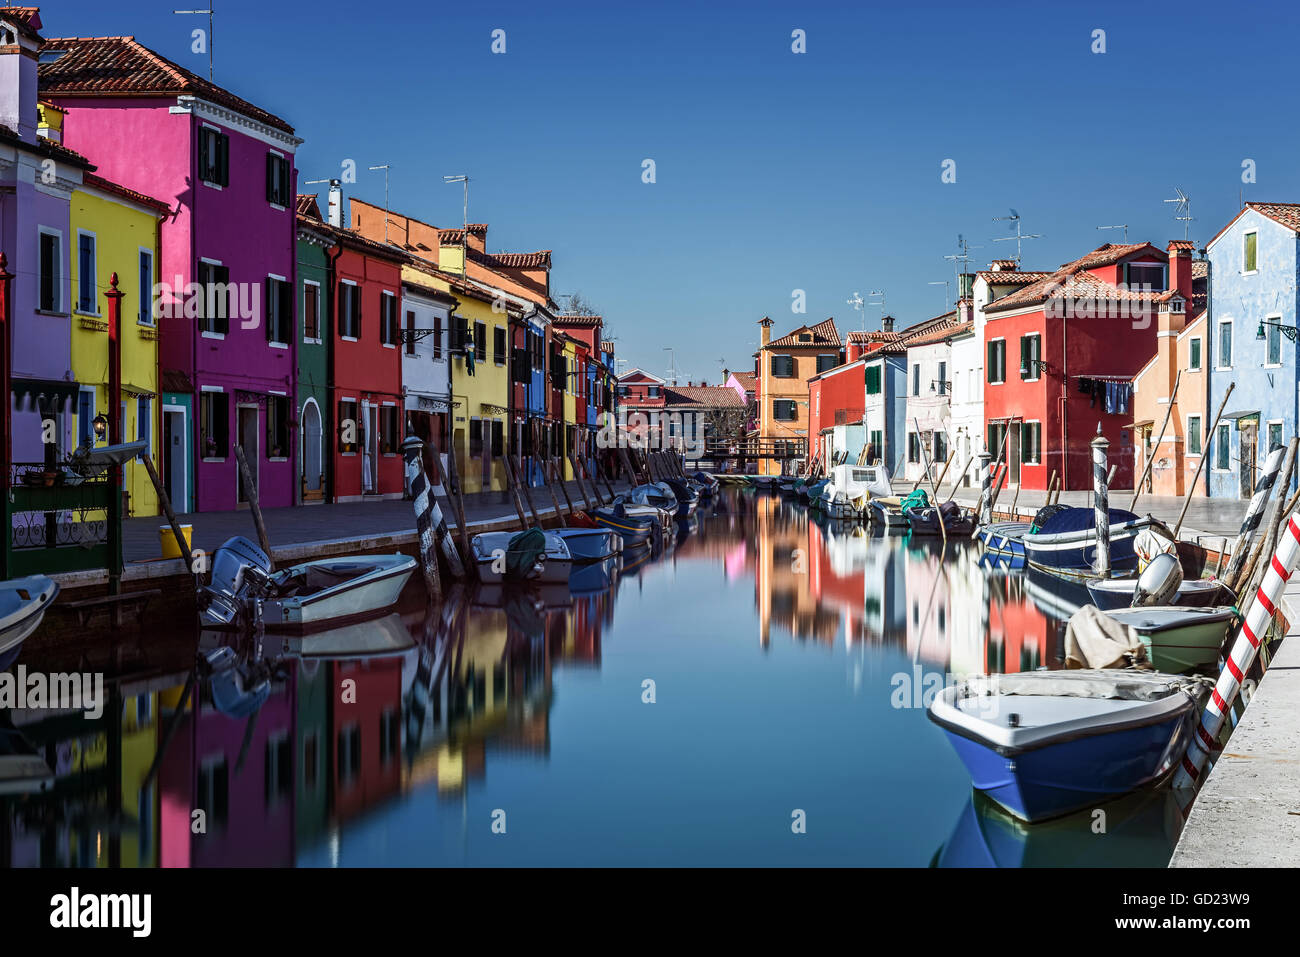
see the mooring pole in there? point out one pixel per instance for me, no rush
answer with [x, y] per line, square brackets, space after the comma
[425, 525]
[986, 488]
[1214, 428]
[251, 490]
[1255, 511]
[1101, 504]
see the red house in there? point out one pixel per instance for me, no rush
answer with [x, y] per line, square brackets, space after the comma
[366, 724]
[1060, 356]
[835, 397]
[366, 367]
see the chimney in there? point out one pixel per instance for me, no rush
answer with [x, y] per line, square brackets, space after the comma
[336, 203]
[50, 122]
[887, 324]
[765, 336]
[854, 351]
[19, 46]
[476, 237]
[1180, 267]
[1003, 265]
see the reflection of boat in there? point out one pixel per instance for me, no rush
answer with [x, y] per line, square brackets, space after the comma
[1045, 743]
[1053, 595]
[986, 836]
[369, 639]
[237, 690]
[1179, 639]
[22, 769]
[886, 517]
[594, 576]
[1115, 593]
[23, 603]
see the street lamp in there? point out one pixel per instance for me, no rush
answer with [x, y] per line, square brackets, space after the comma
[100, 425]
[1288, 331]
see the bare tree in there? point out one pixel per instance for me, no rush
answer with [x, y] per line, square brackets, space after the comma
[576, 304]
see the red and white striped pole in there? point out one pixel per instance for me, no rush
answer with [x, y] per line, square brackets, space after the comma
[1242, 657]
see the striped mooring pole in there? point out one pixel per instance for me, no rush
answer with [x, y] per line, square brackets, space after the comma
[986, 488]
[1101, 505]
[1244, 649]
[1254, 514]
[429, 521]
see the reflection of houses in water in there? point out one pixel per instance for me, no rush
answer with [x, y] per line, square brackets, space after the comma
[928, 603]
[788, 546]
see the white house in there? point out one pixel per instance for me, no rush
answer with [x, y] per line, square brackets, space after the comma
[929, 389]
[426, 381]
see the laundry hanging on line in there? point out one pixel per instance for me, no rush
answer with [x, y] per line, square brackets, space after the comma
[1114, 395]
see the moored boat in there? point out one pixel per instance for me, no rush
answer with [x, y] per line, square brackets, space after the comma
[1115, 593]
[1179, 639]
[23, 603]
[634, 529]
[23, 770]
[1066, 540]
[1045, 743]
[335, 590]
[589, 544]
[532, 555]
[948, 519]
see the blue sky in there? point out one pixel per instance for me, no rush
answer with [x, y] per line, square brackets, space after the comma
[775, 171]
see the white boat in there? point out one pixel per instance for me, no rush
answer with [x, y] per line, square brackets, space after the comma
[887, 516]
[850, 487]
[23, 603]
[327, 590]
[509, 556]
[1115, 593]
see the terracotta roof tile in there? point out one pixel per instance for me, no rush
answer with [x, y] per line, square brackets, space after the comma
[46, 147]
[823, 334]
[1073, 280]
[26, 19]
[998, 277]
[708, 396]
[1288, 214]
[122, 66]
[91, 179]
[585, 322]
[307, 206]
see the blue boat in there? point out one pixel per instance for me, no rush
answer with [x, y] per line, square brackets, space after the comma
[1045, 743]
[1066, 539]
[635, 530]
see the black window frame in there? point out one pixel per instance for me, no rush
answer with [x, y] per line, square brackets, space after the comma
[214, 156]
[279, 184]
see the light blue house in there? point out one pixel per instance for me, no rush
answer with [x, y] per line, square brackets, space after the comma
[1252, 342]
[885, 412]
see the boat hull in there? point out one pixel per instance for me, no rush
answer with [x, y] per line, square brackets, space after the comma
[363, 597]
[1076, 551]
[1192, 644]
[26, 614]
[1117, 593]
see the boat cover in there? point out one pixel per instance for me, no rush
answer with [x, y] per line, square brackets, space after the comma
[1130, 685]
[915, 499]
[523, 551]
[1093, 639]
[1074, 519]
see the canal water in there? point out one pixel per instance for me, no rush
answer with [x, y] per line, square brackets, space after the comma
[754, 695]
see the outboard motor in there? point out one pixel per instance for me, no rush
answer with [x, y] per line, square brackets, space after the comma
[1159, 583]
[240, 574]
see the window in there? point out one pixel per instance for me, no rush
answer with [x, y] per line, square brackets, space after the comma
[1250, 252]
[144, 423]
[1145, 276]
[214, 308]
[480, 342]
[520, 370]
[214, 422]
[827, 361]
[51, 279]
[783, 410]
[87, 293]
[214, 791]
[475, 438]
[942, 385]
[437, 337]
[389, 439]
[1031, 443]
[1194, 354]
[390, 735]
[652, 392]
[1273, 341]
[86, 416]
[348, 426]
[310, 312]
[146, 317]
[916, 379]
[1221, 450]
[1031, 352]
[498, 437]
[559, 371]
[277, 426]
[499, 345]
[409, 338]
[277, 768]
[913, 447]
[873, 380]
[877, 442]
[277, 180]
[349, 766]
[1274, 435]
[1225, 344]
[1193, 435]
[388, 319]
[349, 311]
[214, 157]
[279, 311]
[783, 367]
[459, 334]
[940, 447]
[997, 361]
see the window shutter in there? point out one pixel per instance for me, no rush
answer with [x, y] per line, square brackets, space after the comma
[272, 310]
[222, 276]
[270, 178]
[223, 152]
[990, 364]
[355, 312]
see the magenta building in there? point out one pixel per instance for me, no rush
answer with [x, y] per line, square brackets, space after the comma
[226, 306]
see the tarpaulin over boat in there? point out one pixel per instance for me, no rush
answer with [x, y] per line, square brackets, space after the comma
[1093, 683]
[1079, 519]
[1093, 639]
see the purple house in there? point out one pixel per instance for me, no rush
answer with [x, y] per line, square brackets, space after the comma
[37, 178]
[225, 306]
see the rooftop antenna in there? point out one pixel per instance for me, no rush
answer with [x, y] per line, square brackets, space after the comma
[385, 169]
[1014, 218]
[857, 302]
[335, 186]
[1123, 226]
[961, 261]
[881, 294]
[209, 13]
[943, 283]
[672, 364]
[1185, 208]
[464, 236]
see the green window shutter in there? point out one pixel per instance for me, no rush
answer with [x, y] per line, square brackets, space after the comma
[991, 363]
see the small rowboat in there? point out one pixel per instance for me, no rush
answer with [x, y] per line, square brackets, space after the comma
[330, 591]
[590, 544]
[1045, 743]
[23, 603]
[634, 529]
[1115, 593]
[533, 555]
[1179, 639]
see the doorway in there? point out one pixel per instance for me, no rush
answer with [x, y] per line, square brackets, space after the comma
[312, 433]
[1246, 461]
[369, 446]
[249, 441]
[175, 457]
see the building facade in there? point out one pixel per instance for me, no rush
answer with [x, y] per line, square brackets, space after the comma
[785, 366]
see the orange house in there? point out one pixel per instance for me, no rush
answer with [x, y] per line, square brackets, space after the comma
[784, 367]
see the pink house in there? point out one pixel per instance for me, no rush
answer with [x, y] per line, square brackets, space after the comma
[225, 307]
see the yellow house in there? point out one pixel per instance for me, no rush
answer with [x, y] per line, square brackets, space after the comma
[570, 402]
[115, 231]
[480, 379]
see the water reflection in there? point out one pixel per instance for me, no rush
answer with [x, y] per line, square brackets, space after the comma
[393, 741]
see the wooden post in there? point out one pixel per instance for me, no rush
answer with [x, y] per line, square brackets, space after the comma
[626, 461]
[555, 499]
[591, 480]
[454, 500]
[528, 495]
[577, 477]
[116, 423]
[1151, 455]
[424, 503]
[1248, 574]
[565, 490]
[1201, 464]
[166, 504]
[251, 491]
[512, 487]
[939, 484]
